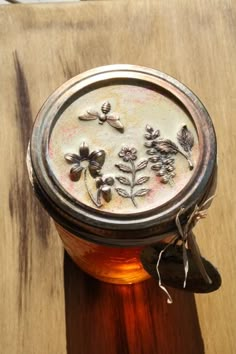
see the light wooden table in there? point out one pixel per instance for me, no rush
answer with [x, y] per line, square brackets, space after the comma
[43, 304]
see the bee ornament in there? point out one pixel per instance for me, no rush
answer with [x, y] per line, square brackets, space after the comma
[112, 119]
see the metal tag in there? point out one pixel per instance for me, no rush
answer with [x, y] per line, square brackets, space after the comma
[171, 269]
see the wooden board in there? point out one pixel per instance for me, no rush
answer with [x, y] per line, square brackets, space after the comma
[43, 45]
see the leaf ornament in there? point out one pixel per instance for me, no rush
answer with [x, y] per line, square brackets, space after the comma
[123, 193]
[124, 168]
[166, 146]
[124, 180]
[129, 155]
[162, 151]
[142, 165]
[185, 139]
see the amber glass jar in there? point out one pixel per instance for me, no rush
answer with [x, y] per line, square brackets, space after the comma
[115, 153]
[119, 265]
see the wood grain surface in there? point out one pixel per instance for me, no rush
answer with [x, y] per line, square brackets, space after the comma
[41, 46]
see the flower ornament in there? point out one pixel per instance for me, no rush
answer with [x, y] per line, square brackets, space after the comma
[162, 152]
[95, 162]
[151, 133]
[103, 185]
[164, 167]
[128, 154]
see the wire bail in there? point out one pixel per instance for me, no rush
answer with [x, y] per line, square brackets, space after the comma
[186, 236]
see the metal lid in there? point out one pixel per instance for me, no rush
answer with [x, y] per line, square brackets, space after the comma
[118, 150]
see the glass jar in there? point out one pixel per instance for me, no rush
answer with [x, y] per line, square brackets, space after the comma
[115, 153]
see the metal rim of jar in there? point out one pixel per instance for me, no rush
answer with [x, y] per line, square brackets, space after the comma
[109, 237]
[92, 223]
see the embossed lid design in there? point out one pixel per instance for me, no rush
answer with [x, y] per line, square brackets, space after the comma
[117, 151]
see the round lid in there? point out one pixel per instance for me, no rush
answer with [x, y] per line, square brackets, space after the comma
[119, 149]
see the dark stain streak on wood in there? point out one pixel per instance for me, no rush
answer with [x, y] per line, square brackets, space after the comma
[70, 26]
[135, 300]
[23, 109]
[18, 210]
[23, 206]
[121, 340]
[69, 69]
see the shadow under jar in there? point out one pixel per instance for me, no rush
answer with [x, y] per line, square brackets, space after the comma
[115, 153]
